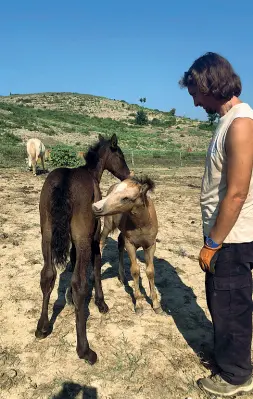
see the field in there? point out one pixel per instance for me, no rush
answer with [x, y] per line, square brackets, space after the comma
[140, 357]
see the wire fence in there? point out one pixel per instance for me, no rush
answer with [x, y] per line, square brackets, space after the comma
[156, 158]
[11, 156]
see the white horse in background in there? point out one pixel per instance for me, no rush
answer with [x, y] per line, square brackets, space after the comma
[35, 149]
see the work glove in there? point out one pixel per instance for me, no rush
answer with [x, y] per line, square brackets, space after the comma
[208, 257]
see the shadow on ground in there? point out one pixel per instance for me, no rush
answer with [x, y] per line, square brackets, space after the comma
[177, 300]
[70, 390]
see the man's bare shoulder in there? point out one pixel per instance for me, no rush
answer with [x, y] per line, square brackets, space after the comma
[240, 122]
[240, 132]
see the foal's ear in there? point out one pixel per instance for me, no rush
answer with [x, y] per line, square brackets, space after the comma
[100, 137]
[144, 188]
[114, 141]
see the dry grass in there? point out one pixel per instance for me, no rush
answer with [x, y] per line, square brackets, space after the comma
[152, 356]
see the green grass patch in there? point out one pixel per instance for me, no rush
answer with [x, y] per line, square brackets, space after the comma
[12, 152]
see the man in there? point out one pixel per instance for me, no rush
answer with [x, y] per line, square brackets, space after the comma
[227, 213]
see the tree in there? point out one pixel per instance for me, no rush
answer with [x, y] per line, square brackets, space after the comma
[141, 118]
[212, 117]
[143, 100]
[172, 111]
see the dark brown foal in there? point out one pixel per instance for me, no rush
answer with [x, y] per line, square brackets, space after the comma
[66, 217]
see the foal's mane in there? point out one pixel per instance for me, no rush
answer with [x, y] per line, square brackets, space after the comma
[144, 180]
[92, 156]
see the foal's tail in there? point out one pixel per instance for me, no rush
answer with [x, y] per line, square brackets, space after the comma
[61, 216]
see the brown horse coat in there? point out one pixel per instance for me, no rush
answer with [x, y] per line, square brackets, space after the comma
[66, 218]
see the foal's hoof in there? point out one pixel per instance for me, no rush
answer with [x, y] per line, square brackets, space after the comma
[139, 311]
[43, 329]
[102, 307]
[90, 357]
[39, 334]
[158, 310]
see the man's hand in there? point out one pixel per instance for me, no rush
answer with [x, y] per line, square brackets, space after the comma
[205, 256]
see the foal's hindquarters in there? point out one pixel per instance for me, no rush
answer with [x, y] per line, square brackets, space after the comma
[35, 150]
[63, 221]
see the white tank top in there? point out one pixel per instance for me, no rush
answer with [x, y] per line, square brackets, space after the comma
[214, 181]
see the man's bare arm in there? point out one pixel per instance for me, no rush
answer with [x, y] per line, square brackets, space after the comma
[239, 149]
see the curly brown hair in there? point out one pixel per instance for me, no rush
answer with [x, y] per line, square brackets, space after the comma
[213, 75]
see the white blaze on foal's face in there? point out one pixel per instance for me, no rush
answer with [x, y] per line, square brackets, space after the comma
[120, 199]
[126, 190]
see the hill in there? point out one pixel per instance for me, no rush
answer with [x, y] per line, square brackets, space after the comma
[75, 120]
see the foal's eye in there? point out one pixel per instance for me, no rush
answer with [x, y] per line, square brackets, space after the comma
[125, 199]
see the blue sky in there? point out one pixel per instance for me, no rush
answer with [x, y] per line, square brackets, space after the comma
[121, 49]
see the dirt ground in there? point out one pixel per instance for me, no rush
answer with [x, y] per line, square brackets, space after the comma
[140, 357]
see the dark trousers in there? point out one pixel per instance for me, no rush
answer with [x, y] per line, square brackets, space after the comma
[229, 299]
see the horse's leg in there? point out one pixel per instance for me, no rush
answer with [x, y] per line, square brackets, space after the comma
[79, 284]
[34, 163]
[68, 294]
[29, 162]
[107, 228]
[121, 245]
[150, 271]
[96, 262]
[47, 281]
[43, 162]
[135, 273]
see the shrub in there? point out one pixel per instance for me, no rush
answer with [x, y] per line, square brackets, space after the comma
[156, 122]
[207, 126]
[26, 100]
[172, 111]
[64, 156]
[171, 122]
[212, 118]
[164, 123]
[141, 118]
